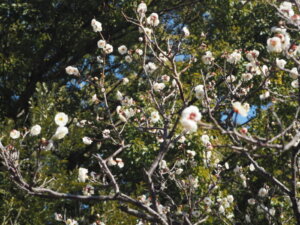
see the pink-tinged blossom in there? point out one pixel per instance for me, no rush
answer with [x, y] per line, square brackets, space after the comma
[274, 45]
[240, 108]
[153, 20]
[252, 55]
[286, 8]
[108, 49]
[189, 118]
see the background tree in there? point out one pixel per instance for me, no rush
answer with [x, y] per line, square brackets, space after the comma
[220, 25]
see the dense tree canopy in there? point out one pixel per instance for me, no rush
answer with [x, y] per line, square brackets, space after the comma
[185, 112]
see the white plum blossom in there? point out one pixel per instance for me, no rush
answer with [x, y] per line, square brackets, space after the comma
[154, 117]
[111, 162]
[150, 67]
[139, 51]
[71, 222]
[148, 31]
[294, 73]
[122, 49]
[241, 109]
[251, 201]
[253, 68]
[165, 78]
[237, 169]
[14, 134]
[82, 174]
[71, 70]
[263, 192]
[35, 130]
[101, 43]
[49, 146]
[142, 8]
[247, 76]
[207, 201]
[119, 162]
[182, 139]
[158, 86]
[87, 140]
[285, 40]
[274, 45]
[265, 95]
[58, 217]
[143, 199]
[272, 211]
[95, 99]
[61, 132]
[247, 218]
[295, 84]
[230, 198]
[221, 209]
[207, 58]
[125, 80]
[163, 165]
[191, 153]
[119, 96]
[126, 114]
[234, 57]
[230, 78]
[179, 171]
[108, 49]
[61, 119]
[205, 139]
[278, 30]
[286, 8]
[106, 133]
[162, 56]
[128, 59]
[153, 20]
[186, 31]
[196, 213]
[199, 89]
[251, 167]
[280, 63]
[252, 55]
[88, 190]
[265, 70]
[189, 118]
[97, 26]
